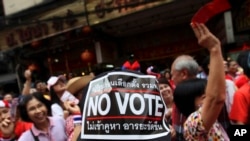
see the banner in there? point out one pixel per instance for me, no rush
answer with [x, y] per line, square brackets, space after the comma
[124, 106]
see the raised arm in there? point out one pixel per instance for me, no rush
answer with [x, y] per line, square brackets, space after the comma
[27, 84]
[76, 112]
[215, 90]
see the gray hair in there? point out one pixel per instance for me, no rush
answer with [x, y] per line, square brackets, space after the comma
[190, 64]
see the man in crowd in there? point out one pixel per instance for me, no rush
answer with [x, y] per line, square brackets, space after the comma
[184, 67]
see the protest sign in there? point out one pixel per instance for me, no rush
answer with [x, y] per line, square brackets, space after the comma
[123, 105]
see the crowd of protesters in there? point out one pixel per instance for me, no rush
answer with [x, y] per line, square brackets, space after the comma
[202, 100]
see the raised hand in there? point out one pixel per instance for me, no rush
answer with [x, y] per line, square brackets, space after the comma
[7, 127]
[27, 74]
[72, 107]
[205, 38]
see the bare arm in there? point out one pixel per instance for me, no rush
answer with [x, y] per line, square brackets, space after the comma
[27, 84]
[73, 108]
[77, 131]
[215, 90]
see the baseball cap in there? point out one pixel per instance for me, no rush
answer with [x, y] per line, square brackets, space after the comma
[53, 79]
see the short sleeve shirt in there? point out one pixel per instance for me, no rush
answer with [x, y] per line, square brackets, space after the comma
[69, 127]
[57, 110]
[56, 132]
[241, 105]
[194, 129]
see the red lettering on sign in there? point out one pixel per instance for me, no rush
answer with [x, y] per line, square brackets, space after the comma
[29, 33]
[10, 40]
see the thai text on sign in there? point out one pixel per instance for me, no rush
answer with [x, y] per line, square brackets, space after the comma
[123, 104]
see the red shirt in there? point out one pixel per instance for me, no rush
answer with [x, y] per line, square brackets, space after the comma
[240, 108]
[229, 77]
[20, 128]
[241, 80]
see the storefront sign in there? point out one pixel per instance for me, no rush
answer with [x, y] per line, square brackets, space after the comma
[48, 24]
[28, 33]
[103, 10]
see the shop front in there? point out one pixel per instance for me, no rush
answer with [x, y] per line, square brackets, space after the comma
[75, 37]
[242, 30]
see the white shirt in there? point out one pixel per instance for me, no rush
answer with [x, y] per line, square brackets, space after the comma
[57, 110]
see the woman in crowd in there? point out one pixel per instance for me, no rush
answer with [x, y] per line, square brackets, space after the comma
[36, 108]
[75, 86]
[57, 86]
[167, 95]
[202, 100]
[167, 75]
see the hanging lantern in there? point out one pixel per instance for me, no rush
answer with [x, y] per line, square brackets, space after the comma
[86, 56]
[86, 29]
[32, 67]
[245, 47]
[35, 44]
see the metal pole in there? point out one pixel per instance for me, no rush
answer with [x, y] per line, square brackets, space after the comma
[18, 78]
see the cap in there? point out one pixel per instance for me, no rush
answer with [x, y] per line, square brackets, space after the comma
[52, 81]
[4, 104]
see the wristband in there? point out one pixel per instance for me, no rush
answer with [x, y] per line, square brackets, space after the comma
[77, 119]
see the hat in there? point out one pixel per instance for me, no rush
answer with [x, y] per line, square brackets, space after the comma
[4, 104]
[53, 79]
[75, 84]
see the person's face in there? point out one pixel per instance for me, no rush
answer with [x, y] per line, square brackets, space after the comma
[37, 111]
[225, 66]
[176, 75]
[4, 113]
[41, 87]
[59, 87]
[167, 75]
[233, 66]
[198, 101]
[8, 97]
[166, 92]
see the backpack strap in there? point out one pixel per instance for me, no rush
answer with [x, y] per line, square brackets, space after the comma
[35, 137]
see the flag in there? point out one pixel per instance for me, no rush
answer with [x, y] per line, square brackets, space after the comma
[210, 10]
